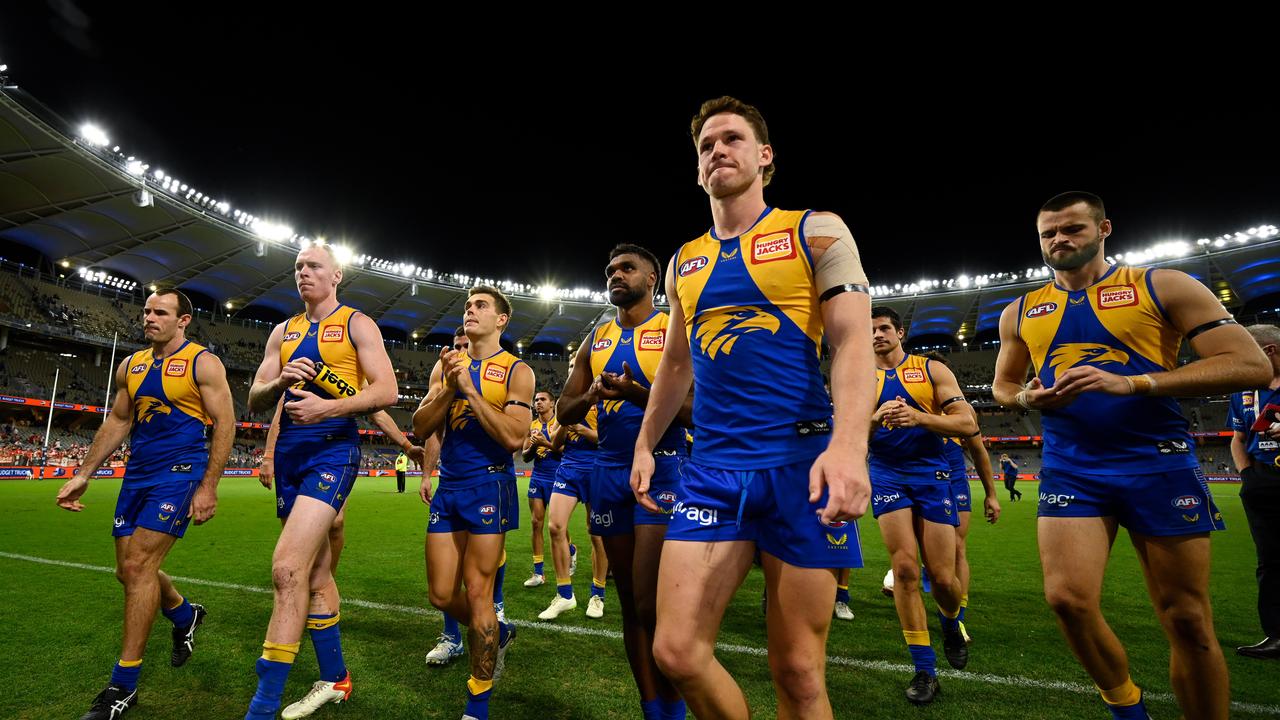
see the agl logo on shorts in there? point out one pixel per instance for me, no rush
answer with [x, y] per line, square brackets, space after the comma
[696, 514]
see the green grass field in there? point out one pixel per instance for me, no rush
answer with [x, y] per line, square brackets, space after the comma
[61, 623]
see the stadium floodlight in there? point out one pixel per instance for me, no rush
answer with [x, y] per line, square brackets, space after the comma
[342, 254]
[135, 168]
[159, 174]
[272, 231]
[94, 135]
[227, 304]
[548, 293]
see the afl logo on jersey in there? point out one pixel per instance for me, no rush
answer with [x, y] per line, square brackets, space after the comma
[652, 340]
[1114, 296]
[1186, 502]
[1041, 309]
[138, 369]
[495, 372]
[692, 265]
[332, 333]
[176, 368]
[291, 336]
[773, 246]
[912, 375]
[603, 344]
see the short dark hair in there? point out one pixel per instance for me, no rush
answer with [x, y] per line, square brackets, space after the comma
[728, 104]
[935, 355]
[1062, 201]
[548, 393]
[184, 302]
[630, 249]
[885, 311]
[500, 300]
[460, 331]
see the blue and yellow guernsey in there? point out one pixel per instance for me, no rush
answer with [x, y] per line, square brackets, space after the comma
[328, 344]
[955, 455]
[169, 418]
[618, 421]
[1117, 325]
[544, 460]
[468, 455]
[755, 333]
[579, 452]
[908, 450]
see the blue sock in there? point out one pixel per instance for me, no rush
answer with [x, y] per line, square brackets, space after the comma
[181, 616]
[126, 676]
[925, 585]
[327, 640]
[673, 709]
[1129, 712]
[597, 590]
[924, 658]
[271, 678]
[963, 608]
[564, 588]
[497, 583]
[478, 692]
[537, 568]
[842, 594]
[451, 628]
[651, 709]
[948, 624]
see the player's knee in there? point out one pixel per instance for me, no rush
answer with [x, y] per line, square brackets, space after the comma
[479, 595]
[943, 581]
[906, 572]
[286, 577]
[1068, 604]
[797, 677]
[439, 597]
[1188, 622]
[556, 529]
[337, 528]
[678, 657]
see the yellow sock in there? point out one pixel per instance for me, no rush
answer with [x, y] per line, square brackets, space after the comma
[476, 686]
[597, 583]
[177, 604]
[1123, 696]
[130, 663]
[841, 587]
[537, 558]
[280, 652]
[950, 615]
[964, 601]
[916, 637]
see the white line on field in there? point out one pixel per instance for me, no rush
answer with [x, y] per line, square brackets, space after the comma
[875, 665]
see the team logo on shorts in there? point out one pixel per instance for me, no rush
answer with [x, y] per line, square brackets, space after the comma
[180, 468]
[167, 507]
[1114, 296]
[119, 521]
[702, 516]
[1069, 355]
[692, 265]
[886, 499]
[602, 520]
[487, 511]
[837, 543]
[773, 246]
[176, 368]
[912, 375]
[291, 336]
[138, 369]
[719, 332]
[1191, 518]
[1059, 500]
[1186, 502]
[332, 333]
[163, 517]
[652, 340]
[1041, 309]
[495, 372]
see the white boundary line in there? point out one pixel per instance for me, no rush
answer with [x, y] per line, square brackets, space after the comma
[874, 665]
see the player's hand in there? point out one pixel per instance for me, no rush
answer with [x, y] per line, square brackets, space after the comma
[448, 359]
[308, 408]
[641, 474]
[69, 494]
[1086, 378]
[1273, 432]
[298, 370]
[991, 509]
[844, 476]
[424, 490]
[901, 415]
[203, 505]
[266, 471]
[616, 386]
[877, 417]
[1041, 398]
[417, 455]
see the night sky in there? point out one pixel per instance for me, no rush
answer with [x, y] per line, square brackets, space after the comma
[526, 156]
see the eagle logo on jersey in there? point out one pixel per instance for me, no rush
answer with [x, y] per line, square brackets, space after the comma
[148, 407]
[1069, 355]
[459, 411]
[721, 331]
[611, 406]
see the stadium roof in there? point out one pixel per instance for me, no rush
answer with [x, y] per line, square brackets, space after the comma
[75, 199]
